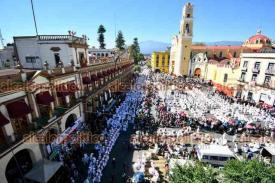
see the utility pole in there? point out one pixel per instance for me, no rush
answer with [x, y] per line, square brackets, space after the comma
[115, 25]
[33, 14]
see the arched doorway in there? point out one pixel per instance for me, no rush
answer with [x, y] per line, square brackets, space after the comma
[18, 166]
[197, 72]
[157, 71]
[70, 120]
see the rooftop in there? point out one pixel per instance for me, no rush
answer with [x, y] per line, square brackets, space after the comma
[67, 38]
[213, 149]
[7, 72]
[271, 149]
[218, 47]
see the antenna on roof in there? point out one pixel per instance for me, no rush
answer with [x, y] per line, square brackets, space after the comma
[1, 39]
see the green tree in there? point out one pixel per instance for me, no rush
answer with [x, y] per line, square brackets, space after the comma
[137, 68]
[120, 42]
[149, 64]
[101, 30]
[196, 173]
[236, 171]
[136, 45]
[134, 50]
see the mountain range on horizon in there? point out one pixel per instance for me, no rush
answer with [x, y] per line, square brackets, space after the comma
[147, 47]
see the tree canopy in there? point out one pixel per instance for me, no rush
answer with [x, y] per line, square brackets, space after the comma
[134, 50]
[136, 45]
[236, 171]
[196, 173]
[101, 30]
[137, 68]
[120, 42]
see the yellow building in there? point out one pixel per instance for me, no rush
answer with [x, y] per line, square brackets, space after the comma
[223, 75]
[160, 61]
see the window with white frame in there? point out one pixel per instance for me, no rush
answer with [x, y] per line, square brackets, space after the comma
[257, 66]
[270, 66]
[243, 76]
[267, 80]
[254, 77]
[245, 63]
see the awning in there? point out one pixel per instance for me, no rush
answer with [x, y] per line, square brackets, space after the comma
[44, 98]
[94, 77]
[72, 87]
[18, 109]
[104, 73]
[86, 80]
[99, 75]
[43, 171]
[62, 91]
[3, 120]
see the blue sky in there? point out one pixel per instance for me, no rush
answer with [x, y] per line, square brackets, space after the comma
[214, 20]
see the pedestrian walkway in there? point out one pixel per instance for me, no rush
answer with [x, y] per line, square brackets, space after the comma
[114, 170]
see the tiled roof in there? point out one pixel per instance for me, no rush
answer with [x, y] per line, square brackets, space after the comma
[252, 39]
[217, 47]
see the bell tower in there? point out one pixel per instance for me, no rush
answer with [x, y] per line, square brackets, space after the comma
[184, 41]
[186, 24]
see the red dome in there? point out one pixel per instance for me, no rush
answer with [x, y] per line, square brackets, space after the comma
[259, 39]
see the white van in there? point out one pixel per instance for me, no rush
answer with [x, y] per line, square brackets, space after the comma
[216, 155]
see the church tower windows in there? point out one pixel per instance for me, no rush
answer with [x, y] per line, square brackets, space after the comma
[187, 28]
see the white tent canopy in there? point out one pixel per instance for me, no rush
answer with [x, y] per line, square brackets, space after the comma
[43, 171]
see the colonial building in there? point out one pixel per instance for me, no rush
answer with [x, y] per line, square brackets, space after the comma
[160, 61]
[221, 64]
[181, 44]
[257, 78]
[36, 106]
[97, 52]
[33, 51]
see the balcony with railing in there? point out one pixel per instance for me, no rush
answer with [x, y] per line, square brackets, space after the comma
[256, 70]
[106, 82]
[267, 84]
[241, 79]
[66, 38]
[38, 126]
[244, 69]
[270, 71]
[16, 137]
